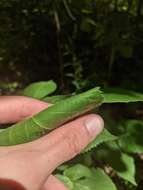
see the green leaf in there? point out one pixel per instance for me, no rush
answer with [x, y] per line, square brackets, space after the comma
[62, 112]
[67, 182]
[121, 96]
[132, 140]
[129, 173]
[63, 167]
[122, 163]
[2, 130]
[40, 89]
[55, 99]
[105, 136]
[110, 96]
[77, 171]
[98, 181]
[51, 118]
[78, 186]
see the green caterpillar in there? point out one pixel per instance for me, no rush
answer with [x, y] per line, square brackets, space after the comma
[51, 118]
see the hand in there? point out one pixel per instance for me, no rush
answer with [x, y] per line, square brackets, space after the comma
[29, 166]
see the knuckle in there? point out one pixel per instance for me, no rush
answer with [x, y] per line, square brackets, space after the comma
[73, 143]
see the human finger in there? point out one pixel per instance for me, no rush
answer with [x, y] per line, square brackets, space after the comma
[17, 108]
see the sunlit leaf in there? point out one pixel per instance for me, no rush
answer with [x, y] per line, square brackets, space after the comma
[67, 182]
[40, 89]
[98, 181]
[122, 163]
[121, 96]
[77, 172]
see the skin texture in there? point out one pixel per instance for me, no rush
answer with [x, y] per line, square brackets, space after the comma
[30, 165]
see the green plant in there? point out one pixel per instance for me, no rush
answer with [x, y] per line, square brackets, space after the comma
[110, 149]
[81, 177]
[63, 111]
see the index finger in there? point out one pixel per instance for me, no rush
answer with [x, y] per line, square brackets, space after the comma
[17, 108]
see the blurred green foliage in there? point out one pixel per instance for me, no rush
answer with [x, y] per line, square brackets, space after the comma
[83, 43]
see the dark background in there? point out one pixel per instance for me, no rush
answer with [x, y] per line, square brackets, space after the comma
[79, 44]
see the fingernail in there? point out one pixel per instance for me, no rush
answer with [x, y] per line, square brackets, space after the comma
[94, 125]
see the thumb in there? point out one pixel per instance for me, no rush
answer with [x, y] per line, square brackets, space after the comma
[40, 157]
[67, 141]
